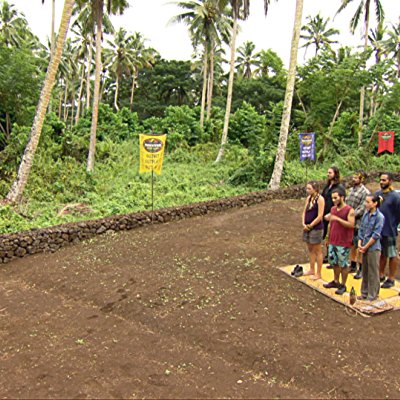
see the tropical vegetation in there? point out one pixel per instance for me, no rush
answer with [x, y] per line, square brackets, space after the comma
[71, 110]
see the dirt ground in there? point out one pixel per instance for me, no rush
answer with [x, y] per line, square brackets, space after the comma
[189, 309]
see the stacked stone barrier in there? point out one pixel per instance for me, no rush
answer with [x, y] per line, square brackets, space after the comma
[21, 244]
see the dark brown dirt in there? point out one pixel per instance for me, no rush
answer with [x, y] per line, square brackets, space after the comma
[192, 309]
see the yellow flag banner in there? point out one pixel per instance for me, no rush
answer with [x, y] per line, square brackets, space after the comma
[151, 153]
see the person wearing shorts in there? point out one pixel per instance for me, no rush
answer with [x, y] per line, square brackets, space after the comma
[341, 220]
[313, 228]
[390, 208]
[333, 183]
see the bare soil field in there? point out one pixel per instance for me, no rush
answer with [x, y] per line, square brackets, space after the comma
[188, 309]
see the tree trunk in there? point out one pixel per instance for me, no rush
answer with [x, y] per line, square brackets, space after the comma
[53, 22]
[52, 38]
[59, 105]
[328, 136]
[2, 129]
[116, 94]
[362, 91]
[398, 64]
[210, 83]
[73, 93]
[361, 116]
[17, 189]
[287, 106]
[78, 108]
[102, 84]
[132, 89]
[65, 101]
[89, 71]
[224, 137]
[374, 101]
[66, 117]
[301, 103]
[8, 127]
[204, 91]
[96, 94]
[208, 92]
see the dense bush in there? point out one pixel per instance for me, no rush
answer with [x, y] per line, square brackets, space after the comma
[59, 178]
[248, 127]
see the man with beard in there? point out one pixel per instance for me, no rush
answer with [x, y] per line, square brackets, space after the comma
[341, 220]
[332, 184]
[390, 208]
[356, 200]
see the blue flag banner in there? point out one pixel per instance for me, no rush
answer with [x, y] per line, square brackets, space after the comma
[307, 146]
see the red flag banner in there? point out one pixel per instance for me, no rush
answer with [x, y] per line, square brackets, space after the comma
[386, 142]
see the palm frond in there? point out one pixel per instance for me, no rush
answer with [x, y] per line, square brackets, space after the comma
[356, 17]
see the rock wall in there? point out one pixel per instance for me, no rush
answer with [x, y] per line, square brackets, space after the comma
[34, 241]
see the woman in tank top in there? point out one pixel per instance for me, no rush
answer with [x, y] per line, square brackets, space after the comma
[313, 228]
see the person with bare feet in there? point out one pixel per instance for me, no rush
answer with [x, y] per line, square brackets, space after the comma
[332, 183]
[341, 219]
[313, 227]
[369, 245]
[390, 208]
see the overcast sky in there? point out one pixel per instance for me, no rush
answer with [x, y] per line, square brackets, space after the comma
[150, 17]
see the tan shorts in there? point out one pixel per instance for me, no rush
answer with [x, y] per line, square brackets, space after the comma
[314, 236]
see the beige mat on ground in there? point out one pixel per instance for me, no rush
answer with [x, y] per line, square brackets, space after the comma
[389, 299]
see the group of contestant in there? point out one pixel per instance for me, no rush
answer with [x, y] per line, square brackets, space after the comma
[359, 231]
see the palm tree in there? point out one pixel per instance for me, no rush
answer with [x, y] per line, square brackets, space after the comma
[392, 45]
[363, 8]
[240, 10]
[83, 27]
[82, 48]
[219, 73]
[206, 24]
[287, 105]
[268, 62]
[12, 25]
[316, 33]
[112, 7]
[223, 26]
[68, 69]
[376, 41]
[378, 46]
[53, 22]
[21, 180]
[143, 57]
[119, 58]
[246, 59]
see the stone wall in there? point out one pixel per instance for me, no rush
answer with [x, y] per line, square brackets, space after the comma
[34, 241]
[50, 239]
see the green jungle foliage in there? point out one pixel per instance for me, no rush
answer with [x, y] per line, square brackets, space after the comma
[143, 93]
[59, 177]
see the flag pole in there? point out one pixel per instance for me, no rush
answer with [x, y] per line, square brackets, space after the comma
[306, 171]
[151, 156]
[152, 191]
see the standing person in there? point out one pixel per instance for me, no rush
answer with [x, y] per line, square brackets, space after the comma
[356, 200]
[390, 208]
[369, 245]
[332, 184]
[341, 232]
[313, 227]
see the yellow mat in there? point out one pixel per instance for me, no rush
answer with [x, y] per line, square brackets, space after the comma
[389, 299]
